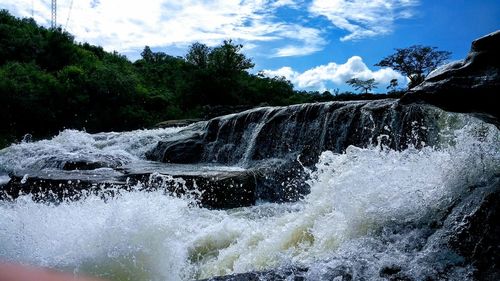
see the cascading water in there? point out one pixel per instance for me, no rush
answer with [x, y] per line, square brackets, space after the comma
[370, 212]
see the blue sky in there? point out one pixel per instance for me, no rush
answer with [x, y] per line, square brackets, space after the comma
[317, 44]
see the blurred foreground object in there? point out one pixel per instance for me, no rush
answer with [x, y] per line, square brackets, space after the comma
[16, 272]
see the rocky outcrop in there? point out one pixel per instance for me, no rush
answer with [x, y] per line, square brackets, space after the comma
[300, 131]
[469, 86]
[281, 141]
[474, 231]
[214, 189]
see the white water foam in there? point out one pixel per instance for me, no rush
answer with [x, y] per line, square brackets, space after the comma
[113, 148]
[149, 236]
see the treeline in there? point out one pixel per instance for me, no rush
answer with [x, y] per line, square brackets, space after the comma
[49, 82]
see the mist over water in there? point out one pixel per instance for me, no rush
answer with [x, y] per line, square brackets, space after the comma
[368, 208]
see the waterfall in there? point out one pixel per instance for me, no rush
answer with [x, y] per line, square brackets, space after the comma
[372, 211]
[305, 130]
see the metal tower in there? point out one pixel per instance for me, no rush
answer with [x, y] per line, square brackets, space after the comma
[53, 22]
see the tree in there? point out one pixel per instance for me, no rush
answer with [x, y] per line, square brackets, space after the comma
[227, 59]
[198, 55]
[366, 85]
[416, 62]
[147, 54]
[393, 85]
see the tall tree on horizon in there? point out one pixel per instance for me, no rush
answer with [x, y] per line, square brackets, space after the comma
[366, 85]
[416, 62]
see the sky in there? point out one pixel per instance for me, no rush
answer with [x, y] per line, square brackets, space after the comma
[316, 44]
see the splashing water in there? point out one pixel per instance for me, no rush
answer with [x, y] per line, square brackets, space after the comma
[112, 148]
[354, 197]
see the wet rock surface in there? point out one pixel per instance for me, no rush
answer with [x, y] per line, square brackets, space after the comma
[289, 274]
[176, 123]
[213, 189]
[469, 86]
[474, 230]
[302, 131]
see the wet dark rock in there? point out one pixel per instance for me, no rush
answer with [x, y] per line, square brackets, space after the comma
[470, 233]
[281, 141]
[214, 190]
[177, 123]
[182, 151]
[281, 181]
[469, 86]
[224, 190]
[85, 165]
[47, 188]
[185, 147]
[476, 235]
[289, 274]
[393, 273]
[212, 111]
[300, 131]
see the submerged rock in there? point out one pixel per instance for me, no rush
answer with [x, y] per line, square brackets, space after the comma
[469, 86]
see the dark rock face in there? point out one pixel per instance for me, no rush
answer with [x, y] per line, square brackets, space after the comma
[85, 165]
[469, 86]
[216, 190]
[280, 141]
[302, 131]
[476, 236]
[288, 274]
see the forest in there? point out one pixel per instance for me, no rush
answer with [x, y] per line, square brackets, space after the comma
[50, 82]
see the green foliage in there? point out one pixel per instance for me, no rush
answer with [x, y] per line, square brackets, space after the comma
[227, 59]
[198, 55]
[49, 83]
[416, 62]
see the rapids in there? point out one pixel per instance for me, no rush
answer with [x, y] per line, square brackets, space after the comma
[369, 210]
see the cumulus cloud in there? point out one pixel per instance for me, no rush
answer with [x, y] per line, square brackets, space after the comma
[319, 77]
[363, 18]
[129, 25]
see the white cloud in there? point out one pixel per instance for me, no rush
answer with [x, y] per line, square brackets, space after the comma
[129, 25]
[363, 18]
[319, 77]
[289, 3]
[310, 41]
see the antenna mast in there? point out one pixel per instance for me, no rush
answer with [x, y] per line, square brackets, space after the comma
[53, 22]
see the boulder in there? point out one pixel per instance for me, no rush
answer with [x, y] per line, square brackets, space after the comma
[468, 86]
